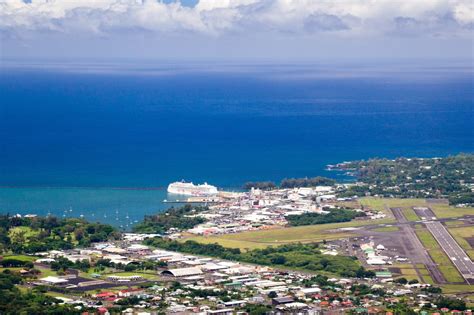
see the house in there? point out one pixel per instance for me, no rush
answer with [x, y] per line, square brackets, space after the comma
[104, 295]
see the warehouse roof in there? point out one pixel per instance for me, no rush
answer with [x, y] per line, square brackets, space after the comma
[183, 272]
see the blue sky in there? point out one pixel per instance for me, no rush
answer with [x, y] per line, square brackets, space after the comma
[283, 30]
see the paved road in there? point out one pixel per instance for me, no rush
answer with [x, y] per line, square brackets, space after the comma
[412, 245]
[457, 255]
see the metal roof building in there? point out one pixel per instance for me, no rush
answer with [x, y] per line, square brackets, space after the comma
[182, 272]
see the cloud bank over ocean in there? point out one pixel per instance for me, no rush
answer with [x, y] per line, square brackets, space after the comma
[216, 26]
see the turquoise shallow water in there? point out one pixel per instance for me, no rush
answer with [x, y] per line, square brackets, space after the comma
[119, 207]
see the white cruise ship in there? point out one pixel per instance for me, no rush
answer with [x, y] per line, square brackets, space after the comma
[183, 188]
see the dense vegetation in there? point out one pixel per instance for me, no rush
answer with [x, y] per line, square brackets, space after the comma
[31, 235]
[260, 185]
[14, 301]
[301, 256]
[292, 183]
[310, 218]
[453, 304]
[179, 218]
[451, 177]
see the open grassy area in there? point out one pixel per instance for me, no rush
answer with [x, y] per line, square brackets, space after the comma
[46, 272]
[454, 223]
[313, 233]
[428, 279]
[384, 205]
[21, 257]
[445, 265]
[280, 236]
[410, 214]
[457, 288]
[427, 239]
[440, 209]
[409, 274]
[21, 233]
[381, 203]
[445, 211]
[57, 295]
[13, 269]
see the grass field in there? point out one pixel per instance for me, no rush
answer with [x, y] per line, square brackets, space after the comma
[21, 232]
[46, 272]
[21, 257]
[441, 210]
[13, 269]
[445, 265]
[381, 203]
[410, 214]
[280, 236]
[457, 288]
[318, 233]
[454, 223]
[409, 274]
[384, 205]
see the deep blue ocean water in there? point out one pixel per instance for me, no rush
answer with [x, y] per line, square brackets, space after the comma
[92, 126]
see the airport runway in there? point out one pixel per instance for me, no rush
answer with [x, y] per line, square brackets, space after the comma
[413, 245]
[457, 255]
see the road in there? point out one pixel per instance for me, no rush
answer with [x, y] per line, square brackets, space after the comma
[457, 255]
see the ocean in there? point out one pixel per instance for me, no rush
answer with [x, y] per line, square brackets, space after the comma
[74, 136]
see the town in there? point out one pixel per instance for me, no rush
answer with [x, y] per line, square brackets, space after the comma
[296, 248]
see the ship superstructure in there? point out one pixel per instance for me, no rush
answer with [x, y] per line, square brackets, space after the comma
[183, 188]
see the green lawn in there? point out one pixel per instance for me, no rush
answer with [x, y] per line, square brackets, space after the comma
[427, 239]
[384, 205]
[410, 214]
[457, 288]
[381, 203]
[454, 223]
[27, 232]
[21, 257]
[443, 211]
[46, 272]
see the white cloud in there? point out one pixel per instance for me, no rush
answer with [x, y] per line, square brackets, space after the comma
[218, 17]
